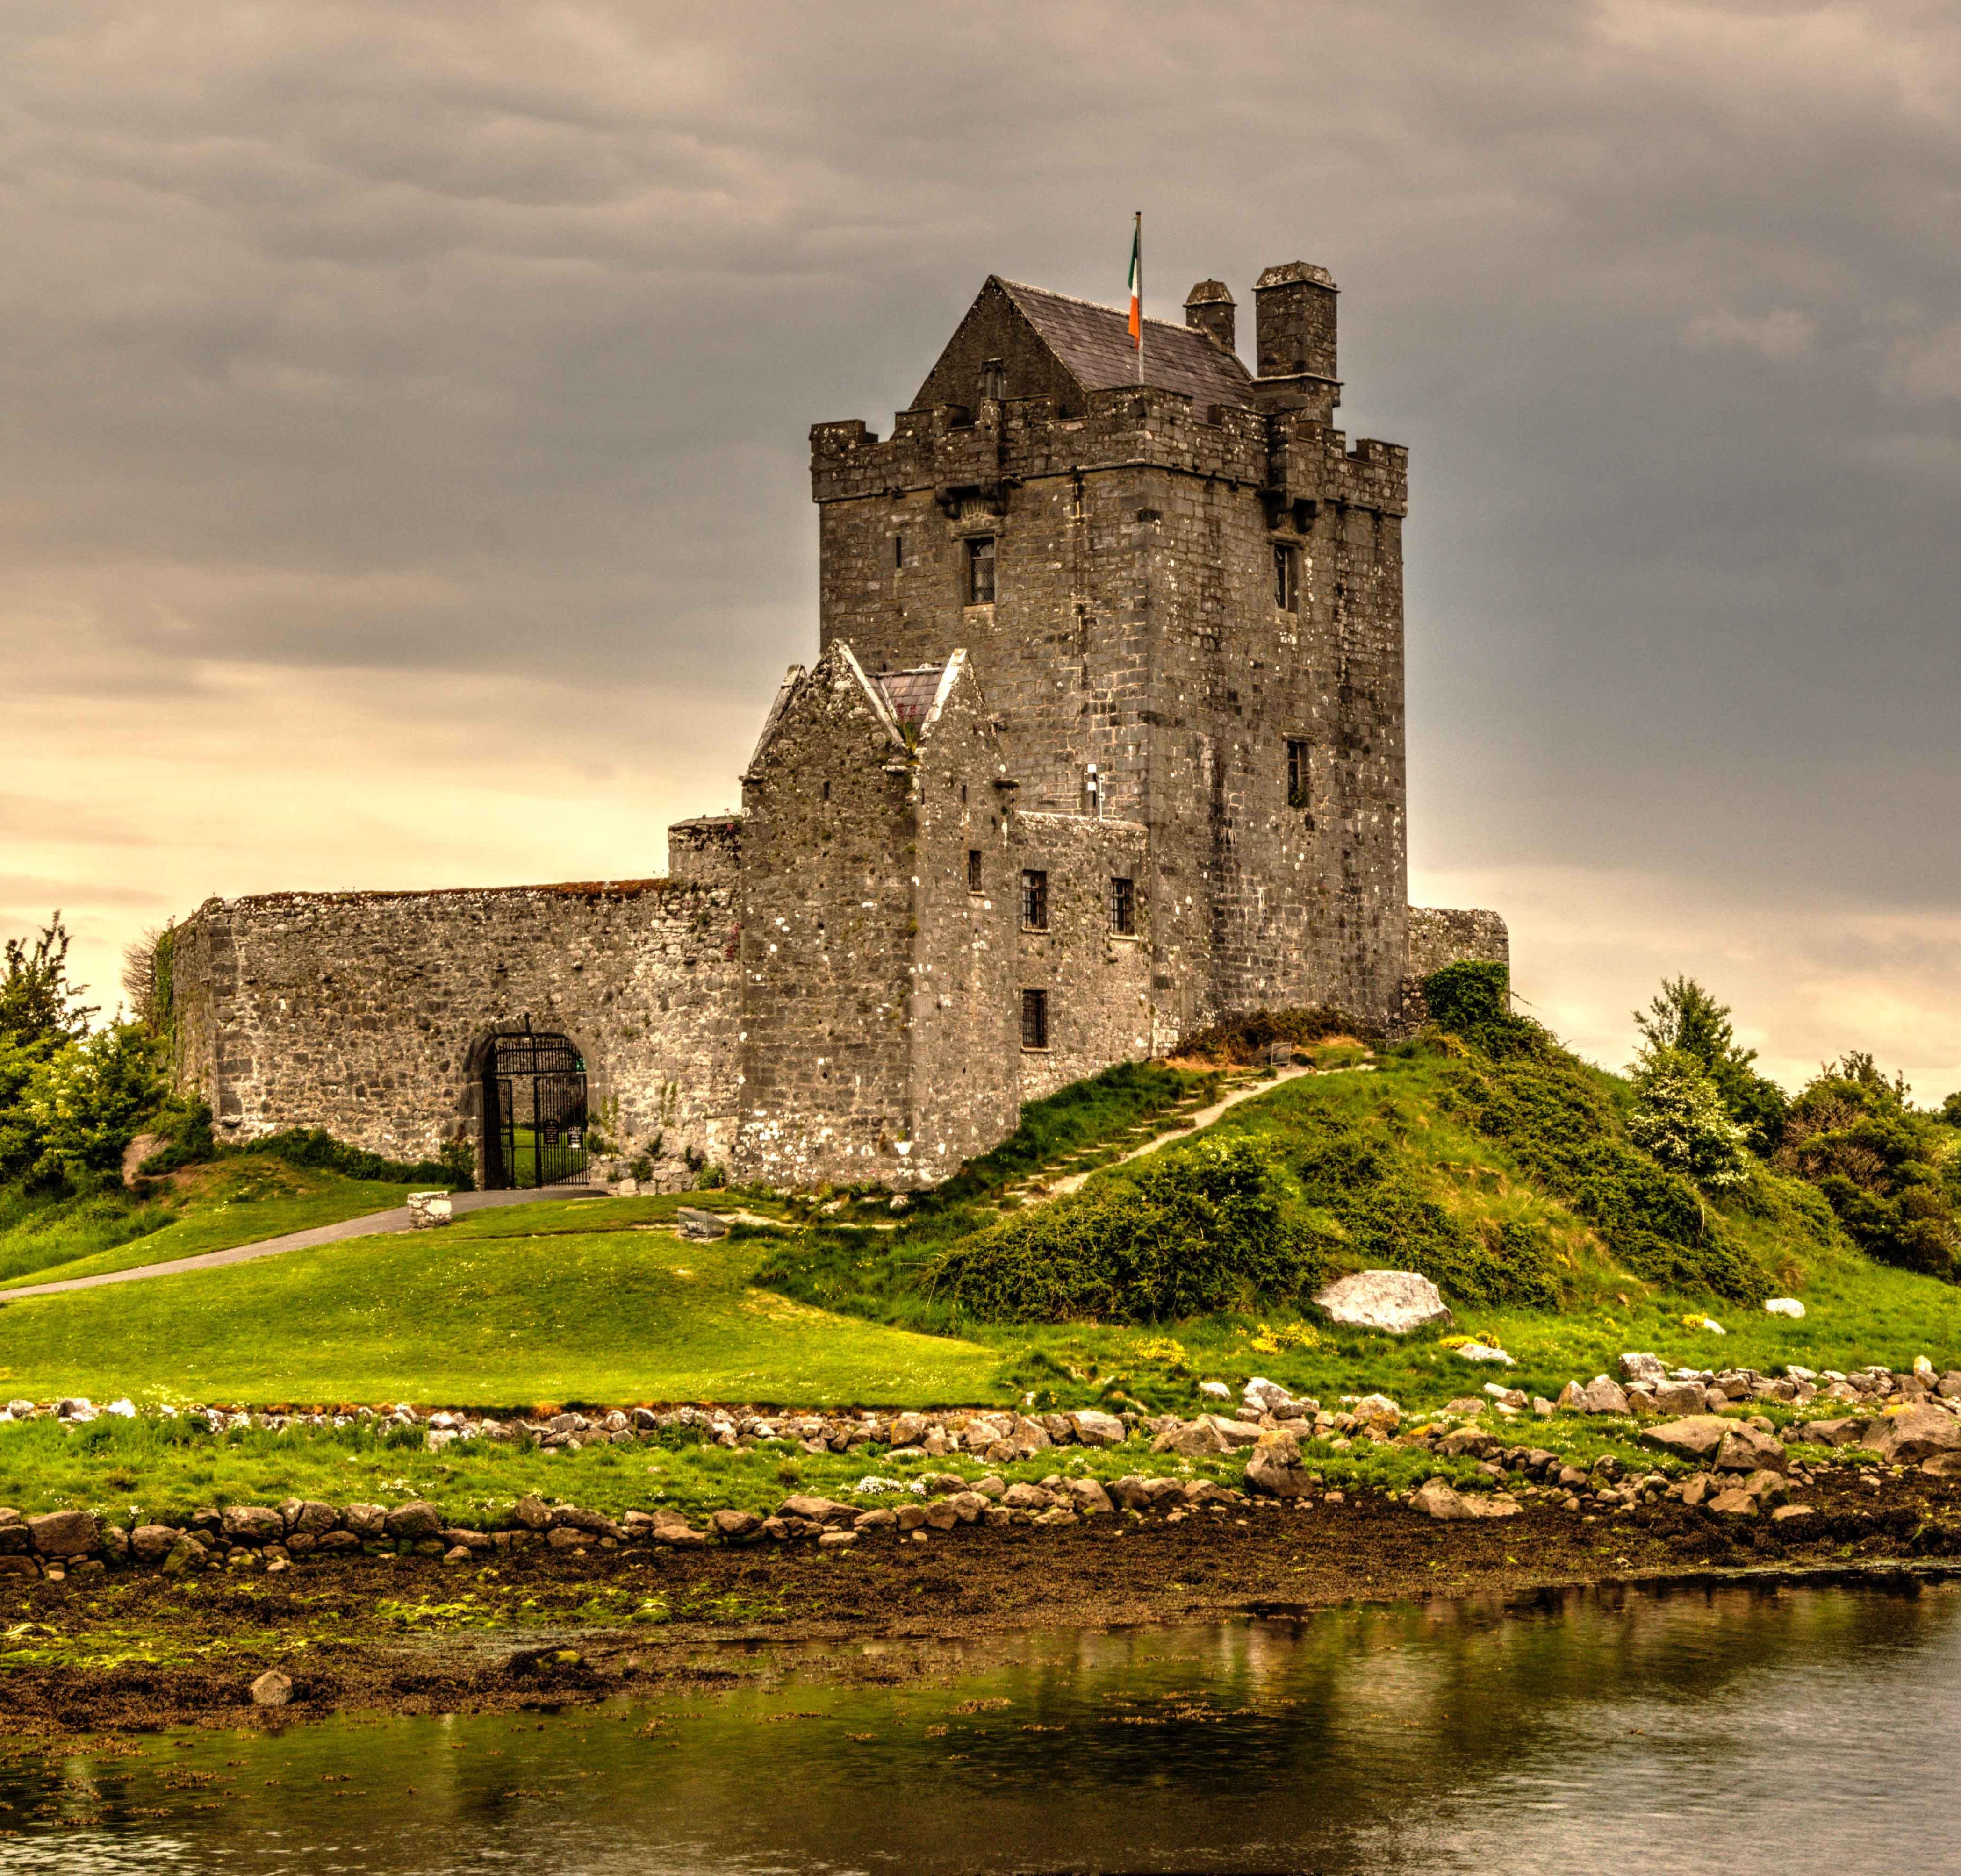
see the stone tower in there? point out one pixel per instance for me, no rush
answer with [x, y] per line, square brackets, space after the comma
[1182, 600]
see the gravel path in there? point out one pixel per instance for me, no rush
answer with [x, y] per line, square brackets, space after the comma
[1194, 1123]
[374, 1224]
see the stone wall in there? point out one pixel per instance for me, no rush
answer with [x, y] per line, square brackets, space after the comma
[1099, 983]
[364, 1013]
[1439, 936]
[876, 987]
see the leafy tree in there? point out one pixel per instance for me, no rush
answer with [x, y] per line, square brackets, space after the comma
[1679, 1117]
[38, 1007]
[81, 1108]
[1854, 1134]
[1686, 1020]
[71, 1100]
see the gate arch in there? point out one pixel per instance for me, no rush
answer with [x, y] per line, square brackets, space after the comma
[533, 1108]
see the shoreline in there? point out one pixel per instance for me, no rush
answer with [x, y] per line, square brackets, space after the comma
[544, 1628]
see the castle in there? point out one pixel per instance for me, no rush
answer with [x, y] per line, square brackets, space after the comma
[1104, 740]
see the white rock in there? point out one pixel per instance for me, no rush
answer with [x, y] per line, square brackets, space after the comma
[1266, 1395]
[1215, 1391]
[1642, 1368]
[123, 1409]
[1482, 1352]
[1094, 1429]
[1395, 1302]
[1781, 1306]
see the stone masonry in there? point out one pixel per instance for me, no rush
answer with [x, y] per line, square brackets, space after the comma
[1104, 742]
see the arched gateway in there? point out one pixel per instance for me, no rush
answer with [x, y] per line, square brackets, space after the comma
[534, 1131]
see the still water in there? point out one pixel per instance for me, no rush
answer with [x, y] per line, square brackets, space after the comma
[1733, 1730]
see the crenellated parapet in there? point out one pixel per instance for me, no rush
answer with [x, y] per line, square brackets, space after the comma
[962, 454]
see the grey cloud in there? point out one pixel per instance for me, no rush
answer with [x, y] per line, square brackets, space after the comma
[413, 339]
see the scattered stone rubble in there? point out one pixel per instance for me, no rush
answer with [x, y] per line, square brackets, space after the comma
[1740, 1466]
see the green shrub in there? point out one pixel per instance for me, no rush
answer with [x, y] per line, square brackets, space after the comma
[77, 1108]
[1195, 1229]
[315, 1147]
[1557, 1121]
[1247, 1037]
[1885, 1170]
[1388, 1221]
[1474, 1001]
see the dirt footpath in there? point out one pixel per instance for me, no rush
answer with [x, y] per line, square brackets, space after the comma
[110, 1651]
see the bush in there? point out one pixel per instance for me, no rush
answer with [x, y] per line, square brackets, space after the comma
[1245, 1039]
[1879, 1164]
[315, 1147]
[1389, 1222]
[1196, 1229]
[78, 1108]
[1474, 1001]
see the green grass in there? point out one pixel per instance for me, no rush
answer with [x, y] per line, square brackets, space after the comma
[449, 1316]
[589, 1300]
[241, 1203]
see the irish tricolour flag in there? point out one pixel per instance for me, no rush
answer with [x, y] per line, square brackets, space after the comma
[1137, 284]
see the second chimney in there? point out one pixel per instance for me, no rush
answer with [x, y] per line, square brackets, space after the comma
[1209, 306]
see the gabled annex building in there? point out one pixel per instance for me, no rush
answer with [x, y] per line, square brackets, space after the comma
[1104, 740]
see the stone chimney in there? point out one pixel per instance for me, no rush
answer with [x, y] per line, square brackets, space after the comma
[1209, 306]
[1294, 324]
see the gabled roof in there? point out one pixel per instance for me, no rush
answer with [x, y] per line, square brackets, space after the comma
[1092, 343]
[911, 693]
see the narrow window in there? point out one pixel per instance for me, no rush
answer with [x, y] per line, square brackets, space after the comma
[1300, 779]
[980, 570]
[826, 790]
[1123, 906]
[973, 869]
[1034, 902]
[993, 379]
[898, 550]
[1286, 585]
[1034, 1019]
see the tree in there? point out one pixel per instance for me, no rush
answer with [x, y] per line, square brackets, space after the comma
[1680, 1117]
[39, 1007]
[1879, 1162]
[1685, 1019]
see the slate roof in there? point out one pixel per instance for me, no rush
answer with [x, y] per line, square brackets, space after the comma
[1093, 342]
[910, 693]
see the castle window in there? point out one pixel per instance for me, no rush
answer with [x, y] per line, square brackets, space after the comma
[973, 869]
[898, 550]
[1123, 906]
[1034, 1019]
[1300, 776]
[1034, 902]
[1286, 583]
[993, 379]
[980, 570]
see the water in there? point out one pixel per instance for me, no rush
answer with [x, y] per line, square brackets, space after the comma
[1800, 1730]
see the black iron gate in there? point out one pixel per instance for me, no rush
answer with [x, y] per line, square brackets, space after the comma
[535, 1130]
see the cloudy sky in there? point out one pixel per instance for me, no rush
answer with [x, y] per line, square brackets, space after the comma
[404, 457]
